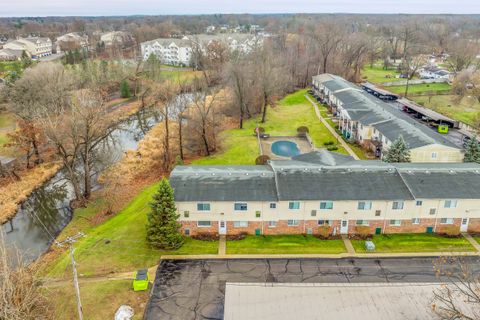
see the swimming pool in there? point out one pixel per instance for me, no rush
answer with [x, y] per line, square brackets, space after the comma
[285, 149]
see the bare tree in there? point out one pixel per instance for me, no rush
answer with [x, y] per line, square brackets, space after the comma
[237, 75]
[327, 36]
[462, 54]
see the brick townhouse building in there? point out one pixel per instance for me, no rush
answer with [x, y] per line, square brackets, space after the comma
[322, 188]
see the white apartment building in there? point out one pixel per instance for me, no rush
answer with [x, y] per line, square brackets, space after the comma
[71, 41]
[35, 47]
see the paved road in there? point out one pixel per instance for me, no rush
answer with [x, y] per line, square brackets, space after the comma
[187, 289]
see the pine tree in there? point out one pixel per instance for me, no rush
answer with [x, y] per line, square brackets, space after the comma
[163, 230]
[472, 151]
[125, 89]
[398, 152]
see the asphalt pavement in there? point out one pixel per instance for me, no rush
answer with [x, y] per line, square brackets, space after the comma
[195, 289]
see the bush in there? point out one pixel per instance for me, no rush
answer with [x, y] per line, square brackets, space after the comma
[302, 130]
[332, 148]
[451, 231]
[328, 143]
[324, 232]
[204, 236]
[363, 232]
[261, 160]
[260, 130]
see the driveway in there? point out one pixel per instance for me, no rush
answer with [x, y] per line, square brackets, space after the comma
[195, 289]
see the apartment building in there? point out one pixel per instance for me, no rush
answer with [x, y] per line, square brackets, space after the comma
[179, 51]
[320, 189]
[117, 38]
[35, 47]
[375, 124]
[71, 41]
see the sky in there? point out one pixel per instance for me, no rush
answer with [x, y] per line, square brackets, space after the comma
[10, 8]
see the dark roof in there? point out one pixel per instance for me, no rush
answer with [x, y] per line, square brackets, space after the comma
[223, 183]
[324, 157]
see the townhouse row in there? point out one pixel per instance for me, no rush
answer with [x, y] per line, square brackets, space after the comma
[298, 197]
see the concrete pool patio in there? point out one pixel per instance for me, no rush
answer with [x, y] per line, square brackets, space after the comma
[302, 143]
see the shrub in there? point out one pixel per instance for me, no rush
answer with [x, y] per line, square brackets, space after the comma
[363, 232]
[332, 148]
[324, 232]
[451, 231]
[302, 130]
[260, 130]
[329, 143]
[261, 160]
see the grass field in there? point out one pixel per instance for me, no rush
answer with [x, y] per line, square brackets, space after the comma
[100, 300]
[287, 244]
[465, 110]
[421, 242]
[239, 146]
[377, 74]
[421, 88]
[118, 244]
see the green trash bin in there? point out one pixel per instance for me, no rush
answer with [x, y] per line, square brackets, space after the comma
[258, 232]
[429, 229]
[378, 230]
[140, 280]
[443, 128]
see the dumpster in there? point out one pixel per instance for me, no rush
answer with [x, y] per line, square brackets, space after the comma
[369, 246]
[140, 280]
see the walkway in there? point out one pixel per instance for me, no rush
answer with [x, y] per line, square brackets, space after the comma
[471, 240]
[348, 244]
[332, 130]
[222, 245]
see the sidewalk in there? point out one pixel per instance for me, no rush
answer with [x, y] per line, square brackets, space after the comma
[332, 130]
[472, 241]
[348, 244]
[222, 245]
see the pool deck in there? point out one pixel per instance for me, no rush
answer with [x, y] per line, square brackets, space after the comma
[302, 144]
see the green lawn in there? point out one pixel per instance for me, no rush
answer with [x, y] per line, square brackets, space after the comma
[377, 74]
[287, 244]
[239, 146]
[413, 242]
[421, 88]
[119, 243]
[465, 110]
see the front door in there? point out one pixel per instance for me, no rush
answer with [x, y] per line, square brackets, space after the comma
[464, 225]
[222, 227]
[344, 227]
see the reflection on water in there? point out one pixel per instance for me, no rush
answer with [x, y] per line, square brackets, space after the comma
[46, 212]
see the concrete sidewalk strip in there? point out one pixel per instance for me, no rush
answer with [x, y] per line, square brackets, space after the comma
[348, 244]
[472, 241]
[222, 245]
[332, 130]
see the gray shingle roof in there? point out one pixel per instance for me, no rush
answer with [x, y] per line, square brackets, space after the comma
[324, 157]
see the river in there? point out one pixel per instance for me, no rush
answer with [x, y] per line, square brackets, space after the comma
[46, 212]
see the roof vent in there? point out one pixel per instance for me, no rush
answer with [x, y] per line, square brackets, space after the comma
[305, 169]
[427, 171]
[246, 174]
[264, 174]
[196, 173]
[229, 173]
[213, 173]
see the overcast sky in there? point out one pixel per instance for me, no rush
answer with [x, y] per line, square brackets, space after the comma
[159, 7]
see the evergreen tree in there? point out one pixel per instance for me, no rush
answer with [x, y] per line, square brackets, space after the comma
[124, 89]
[163, 230]
[26, 61]
[472, 151]
[398, 152]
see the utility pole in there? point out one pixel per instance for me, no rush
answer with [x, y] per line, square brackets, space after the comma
[70, 241]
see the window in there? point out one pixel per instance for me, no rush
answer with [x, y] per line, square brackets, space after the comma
[203, 224]
[240, 206]
[257, 214]
[187, 232]
[395, 223]
[446, 221]
[432, 211]
[361, 222]
[377, 213]
[323, 222]
[419, 203]
[450, 204]
[313, 213]
[273, 205]
[203, 206]
[364, 205]
[434, 155]
[326, 205]
[294, 205]
[415, 220]
[240, 224]
[292, 223]
[272, 224]
[186, 214]
[397, 205]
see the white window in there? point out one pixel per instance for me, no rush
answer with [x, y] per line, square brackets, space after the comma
[433, 211]
[397, 205]
[446, 221]
[204, 224]
[294, 205]
[362, 223]
[450, 204]
[416, 221]
[203, 206]
[395, 223]
[272, 224]
[364, 205]
[323, 222]
[292, 223]
[434, 155]
[240, 206]
[326, 205]
[419, 202]
[273, 205]
[240, 224]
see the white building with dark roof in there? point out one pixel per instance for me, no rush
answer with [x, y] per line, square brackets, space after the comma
[35, 47]
[314, 191]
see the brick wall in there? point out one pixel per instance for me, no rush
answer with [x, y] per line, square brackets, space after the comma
[194, 229]
[474, 225]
